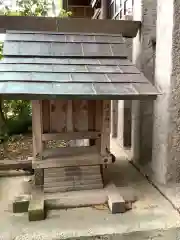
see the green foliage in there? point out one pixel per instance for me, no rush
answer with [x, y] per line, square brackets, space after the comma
[33, 7]
[63, 13]
[17, 115]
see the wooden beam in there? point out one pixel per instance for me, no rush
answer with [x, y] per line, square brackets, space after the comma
[106, 119]
[15, 164]
[91, 120]
[127, 28]
[114, 118]
[77, 188]
[71, 136]
[68, 156]
[37, 129]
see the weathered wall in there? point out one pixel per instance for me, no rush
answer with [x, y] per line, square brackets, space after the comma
[160, 155]
[166, 147]
[147, 67]
[146, 64]
[127, 105]
[124, 112]
[144, 57]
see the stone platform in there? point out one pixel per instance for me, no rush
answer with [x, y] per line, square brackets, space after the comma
[152, 216]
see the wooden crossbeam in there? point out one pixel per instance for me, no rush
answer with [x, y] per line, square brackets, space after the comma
[15, 164]
[71, 135]
[125, 27]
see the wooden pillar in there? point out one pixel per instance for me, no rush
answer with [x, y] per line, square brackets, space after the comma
[106, 118]
[37, 139]
[36, 204]
[114, 118]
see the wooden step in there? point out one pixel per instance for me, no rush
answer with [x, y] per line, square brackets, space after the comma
[72, 182]
[73, 188]
[72, 178]
[68, 156]
[87, 170]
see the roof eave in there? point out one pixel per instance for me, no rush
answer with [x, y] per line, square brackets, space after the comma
[127, 28]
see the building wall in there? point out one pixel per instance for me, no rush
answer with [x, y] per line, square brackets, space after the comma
[145, 61]
[119, 10]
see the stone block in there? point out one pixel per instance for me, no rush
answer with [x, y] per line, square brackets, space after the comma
[21, 204]
[36, 210]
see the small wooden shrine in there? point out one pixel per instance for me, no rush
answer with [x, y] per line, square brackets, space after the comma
[71, 79]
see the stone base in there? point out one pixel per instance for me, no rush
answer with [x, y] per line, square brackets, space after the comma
[21, 204]
[38, 202]
[151, 217]
[36, 210]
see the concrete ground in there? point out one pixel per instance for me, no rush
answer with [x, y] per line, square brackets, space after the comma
[152, 216]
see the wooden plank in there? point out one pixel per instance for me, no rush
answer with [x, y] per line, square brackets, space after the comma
[72, 188]
[80, 115]
[69, 156]
[82, 170]
[127, 28]
[37, 129]
[91, 119]
[15, 164]
[46, 116]
[71, 135]
[73, 182]
[60, 171]
[98, 122]
[58, 116]
[68, 152]
[114, 118]
[36, 210]
[116, 202]
[62, 179]
[105, 134]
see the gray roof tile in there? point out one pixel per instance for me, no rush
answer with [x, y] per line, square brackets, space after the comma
[45, 65]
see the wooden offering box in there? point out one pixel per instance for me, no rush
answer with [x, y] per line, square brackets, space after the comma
[71, 168]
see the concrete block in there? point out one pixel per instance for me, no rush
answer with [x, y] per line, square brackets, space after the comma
[21, 204]
[36, 210]
[116, 202]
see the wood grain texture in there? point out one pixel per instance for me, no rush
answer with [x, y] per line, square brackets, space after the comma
[71, 135]
[58, 116]
[72, 179]
[37, 128]
[105, 135]
[69, 156]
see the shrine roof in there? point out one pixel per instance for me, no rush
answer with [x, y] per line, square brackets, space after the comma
[70, 65]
